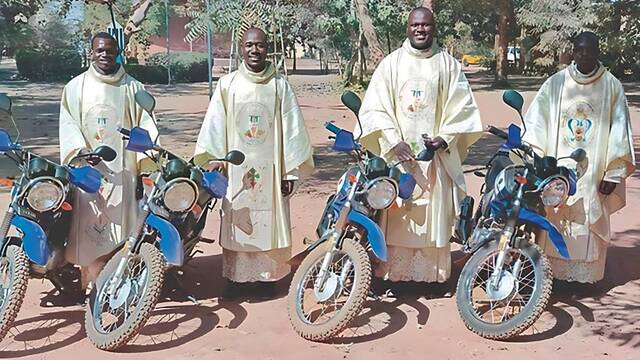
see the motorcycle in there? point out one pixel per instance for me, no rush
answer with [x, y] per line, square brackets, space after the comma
[505, 285]
[173, 217]
[334, 277]
[39, 210]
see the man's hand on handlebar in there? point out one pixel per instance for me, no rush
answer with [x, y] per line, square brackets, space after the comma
[434, 144]
[403, 151]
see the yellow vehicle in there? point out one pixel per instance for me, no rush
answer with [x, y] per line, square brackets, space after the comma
[469, 59]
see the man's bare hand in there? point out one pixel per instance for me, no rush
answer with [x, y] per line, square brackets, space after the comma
[403, 152]
[435, 143]
[607, 187]
[214, 166]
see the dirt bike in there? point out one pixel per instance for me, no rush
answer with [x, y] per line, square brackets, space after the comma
[39, 210]
[173, 217]
[505, 285]
[334, 277]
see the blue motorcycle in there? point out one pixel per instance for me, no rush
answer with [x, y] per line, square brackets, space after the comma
[40, 210]
[506, 283]
[173, 217]
[333, 280]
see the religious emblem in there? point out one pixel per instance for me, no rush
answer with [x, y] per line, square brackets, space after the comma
[253, 123]
[415, 98]
[579, 124]
[251, 178]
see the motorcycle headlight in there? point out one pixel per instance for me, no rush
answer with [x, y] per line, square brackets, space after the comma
[180, 195]
[45, 195]
[381, 193]
[555, 193]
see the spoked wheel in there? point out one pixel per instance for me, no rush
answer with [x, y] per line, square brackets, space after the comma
[14, 277]
[502, 308]
[319, 313]
[113, 319]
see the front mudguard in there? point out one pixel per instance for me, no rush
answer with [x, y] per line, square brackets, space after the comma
[34, 240]
[556, 237]
[373, 233]
[168, 238]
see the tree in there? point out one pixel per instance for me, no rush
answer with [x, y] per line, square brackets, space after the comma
[554, 22]
[501, 43]
[376, 53]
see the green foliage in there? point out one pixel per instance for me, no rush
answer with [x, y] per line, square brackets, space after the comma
[147, 74]
[619, 32]
[554, 22]
[48, 64]
[185, 66]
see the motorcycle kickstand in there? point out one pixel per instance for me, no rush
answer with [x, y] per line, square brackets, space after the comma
[173, 274]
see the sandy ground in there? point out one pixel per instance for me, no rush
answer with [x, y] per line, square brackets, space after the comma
[415, 321]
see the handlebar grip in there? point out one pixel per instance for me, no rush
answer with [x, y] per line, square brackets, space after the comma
[497, 132]
[329, 126]
[125, 132]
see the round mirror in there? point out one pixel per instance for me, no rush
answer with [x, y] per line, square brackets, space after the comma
[352, 101]
[146, 101]
[105, 153]
[578, 155]
[235, 157]
[5, 103]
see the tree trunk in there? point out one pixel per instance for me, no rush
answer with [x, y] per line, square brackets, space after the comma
[295, 58]
[388, 43]
[501, 41]
[139, 13]
[348, 72]
[366, 24]
[523, 51]
[429, 4]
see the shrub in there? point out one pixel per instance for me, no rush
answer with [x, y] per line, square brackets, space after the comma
[185, 66]
[47, 65]
[147, 74]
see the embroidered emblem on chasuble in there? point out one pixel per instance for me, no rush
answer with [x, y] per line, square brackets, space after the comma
[578, 124]
[101, 124]
[416, 98]
[254, 123]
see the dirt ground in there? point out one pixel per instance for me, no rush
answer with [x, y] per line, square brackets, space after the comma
[411, 321]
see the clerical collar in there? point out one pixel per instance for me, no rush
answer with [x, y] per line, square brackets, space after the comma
[585, 79]
[423, 54]
[260, 77]
[109, 79]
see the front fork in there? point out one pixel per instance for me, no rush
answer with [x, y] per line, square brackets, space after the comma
[115, 280]
[507, 236]
[4, 229]
[335, 239]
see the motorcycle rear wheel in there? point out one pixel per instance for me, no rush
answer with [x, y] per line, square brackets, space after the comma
[311, 324]
[14, 278]
[127, 317]
[530, 289]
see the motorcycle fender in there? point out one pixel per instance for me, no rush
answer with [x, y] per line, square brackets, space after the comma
[374, 234]
[169, 239]
[296, 260]
[546, 225]
[34, 240]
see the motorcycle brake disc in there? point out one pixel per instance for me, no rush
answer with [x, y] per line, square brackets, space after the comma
[507, 287]
[330, 287]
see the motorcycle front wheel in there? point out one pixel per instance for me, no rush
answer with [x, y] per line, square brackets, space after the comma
[503, 308]
[14, 277]
[112, 320]
[319, 314]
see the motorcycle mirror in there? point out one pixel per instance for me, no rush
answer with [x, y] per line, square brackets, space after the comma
[352, 101]
[146, 101]
[578, 155]
[513, 99]
[425, 155]
[5, 103]
[5, 141]
[234, 157]
[105, 153]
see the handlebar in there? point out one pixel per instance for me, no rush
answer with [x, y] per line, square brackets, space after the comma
[329, 126]
[125, 132]
[497, 132]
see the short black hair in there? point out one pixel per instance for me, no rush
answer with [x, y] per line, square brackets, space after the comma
[586, 36]
[106, 36]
